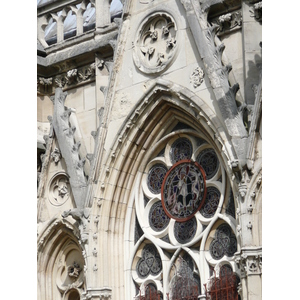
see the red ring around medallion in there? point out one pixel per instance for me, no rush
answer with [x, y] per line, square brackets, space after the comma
[184, 161]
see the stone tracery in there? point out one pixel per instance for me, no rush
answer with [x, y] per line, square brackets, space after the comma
[183, 196]
[156, 43]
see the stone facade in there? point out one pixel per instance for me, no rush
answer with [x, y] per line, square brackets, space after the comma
[149, 147]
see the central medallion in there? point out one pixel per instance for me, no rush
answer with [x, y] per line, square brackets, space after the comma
[156, 43]
[183, 190]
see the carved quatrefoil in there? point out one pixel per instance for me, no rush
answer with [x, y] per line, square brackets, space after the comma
[59, 190]
[156, 43]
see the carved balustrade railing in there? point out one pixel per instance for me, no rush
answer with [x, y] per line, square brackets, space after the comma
[55, 14]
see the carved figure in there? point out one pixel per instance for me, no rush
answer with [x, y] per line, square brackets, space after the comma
[74, 270]
[56, 155]
[82, 216]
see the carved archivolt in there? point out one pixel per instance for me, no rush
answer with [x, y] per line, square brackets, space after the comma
[156, 44]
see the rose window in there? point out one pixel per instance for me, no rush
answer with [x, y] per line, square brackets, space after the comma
[182, 194]
[182, 186]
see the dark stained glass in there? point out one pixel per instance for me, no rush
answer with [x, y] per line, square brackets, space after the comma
[183, 191]
[150, 263]
[211, 202]
[157, 217]
[155, 178]
[224, 242]
[209, 162]
[185, 231]
[181, 149]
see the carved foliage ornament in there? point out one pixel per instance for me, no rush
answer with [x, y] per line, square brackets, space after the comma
[156, 44]
[74, 270]
[197, 77]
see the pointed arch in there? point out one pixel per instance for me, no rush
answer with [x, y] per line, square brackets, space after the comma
[60, 260]
[164, 106]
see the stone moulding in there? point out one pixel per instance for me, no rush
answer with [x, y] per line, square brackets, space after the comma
[204, 36]
[156, 43]
[68, 147]
[104, 293]
[69, 79]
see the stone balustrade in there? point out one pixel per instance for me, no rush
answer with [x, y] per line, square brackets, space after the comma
[60, 20]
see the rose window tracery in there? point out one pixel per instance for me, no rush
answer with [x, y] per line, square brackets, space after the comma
[150, 263]
[155, 178]
[179, 196]
[209, 161]
[178, 188]
[225, 242]
[211, 202]
[181, 149]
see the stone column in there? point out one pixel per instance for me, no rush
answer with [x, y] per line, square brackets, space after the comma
[250, 262]
[102, 13]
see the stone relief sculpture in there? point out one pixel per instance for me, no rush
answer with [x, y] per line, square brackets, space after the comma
[228, 22]
[82, 216]
[59, 189]
[74, 270]
[156, 43]
[56, 155]
[197, 77]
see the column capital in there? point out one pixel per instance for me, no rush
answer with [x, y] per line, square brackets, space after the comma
[249, 260]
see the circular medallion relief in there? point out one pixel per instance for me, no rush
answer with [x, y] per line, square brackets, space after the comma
[59, 189]
[156, 43]
[183, 190]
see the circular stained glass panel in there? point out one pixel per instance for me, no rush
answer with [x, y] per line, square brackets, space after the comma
[185, 231]
[183, 190]
[224, 242]
[211, 202]
[209, 162]
[157, 217]
[155, 178]
[181, 149]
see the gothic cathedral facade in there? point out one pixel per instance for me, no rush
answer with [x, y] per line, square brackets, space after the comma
[149, 149]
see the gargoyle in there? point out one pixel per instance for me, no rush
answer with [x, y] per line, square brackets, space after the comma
[81, 215]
